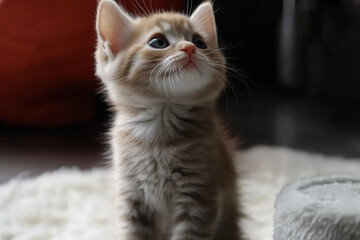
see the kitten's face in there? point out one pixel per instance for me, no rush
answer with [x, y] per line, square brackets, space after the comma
[164, 55]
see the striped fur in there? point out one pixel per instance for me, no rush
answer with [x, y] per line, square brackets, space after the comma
[172, 160]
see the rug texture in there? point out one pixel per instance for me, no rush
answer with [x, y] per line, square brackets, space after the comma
[70, 204]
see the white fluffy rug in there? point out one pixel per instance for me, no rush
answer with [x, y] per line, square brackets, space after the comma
[69, 204]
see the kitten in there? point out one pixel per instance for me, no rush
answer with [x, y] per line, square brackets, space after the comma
[175, 178]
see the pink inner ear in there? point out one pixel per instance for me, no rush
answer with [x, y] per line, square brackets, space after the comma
[204, 21]
[113, 25]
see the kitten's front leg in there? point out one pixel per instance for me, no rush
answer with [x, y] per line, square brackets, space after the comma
[195, 217]
[135, 221]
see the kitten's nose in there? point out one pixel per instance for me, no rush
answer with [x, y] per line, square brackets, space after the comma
[189, 49]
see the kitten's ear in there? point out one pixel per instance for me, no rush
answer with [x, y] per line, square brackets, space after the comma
[113, 25]
[204, 21]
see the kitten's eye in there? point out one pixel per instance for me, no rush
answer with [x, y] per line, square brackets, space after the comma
[159, 42]
[199, 43]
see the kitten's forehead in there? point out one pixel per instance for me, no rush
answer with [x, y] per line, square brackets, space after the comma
[169, 24]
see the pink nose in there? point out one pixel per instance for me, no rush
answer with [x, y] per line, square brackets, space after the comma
[189, 49]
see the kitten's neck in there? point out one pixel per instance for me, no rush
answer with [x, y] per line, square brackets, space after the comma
[165, 120]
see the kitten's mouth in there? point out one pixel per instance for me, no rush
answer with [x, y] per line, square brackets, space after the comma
[189, 64]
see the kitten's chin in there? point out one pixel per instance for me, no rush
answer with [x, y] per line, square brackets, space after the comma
[189, 82]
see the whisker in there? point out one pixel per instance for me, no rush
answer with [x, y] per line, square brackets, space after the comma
[153, 71]
[157, 77]
[191, 5]
[178, 71]
[229, 46]
[235, 72]
[143, 11]
[164, 83]
[147, 8]
[234, 89]
[137, 10]
[171, 78]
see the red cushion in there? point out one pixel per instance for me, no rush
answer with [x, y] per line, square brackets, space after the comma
[46, 63]
[46, 60]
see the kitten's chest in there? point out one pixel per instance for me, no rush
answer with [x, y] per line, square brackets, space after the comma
[154, 176]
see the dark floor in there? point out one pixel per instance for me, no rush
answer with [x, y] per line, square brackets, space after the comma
[271, 118]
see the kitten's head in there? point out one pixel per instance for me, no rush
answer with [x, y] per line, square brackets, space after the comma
[164, 55]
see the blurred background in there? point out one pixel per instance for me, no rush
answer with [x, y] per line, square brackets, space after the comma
[294, 78]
